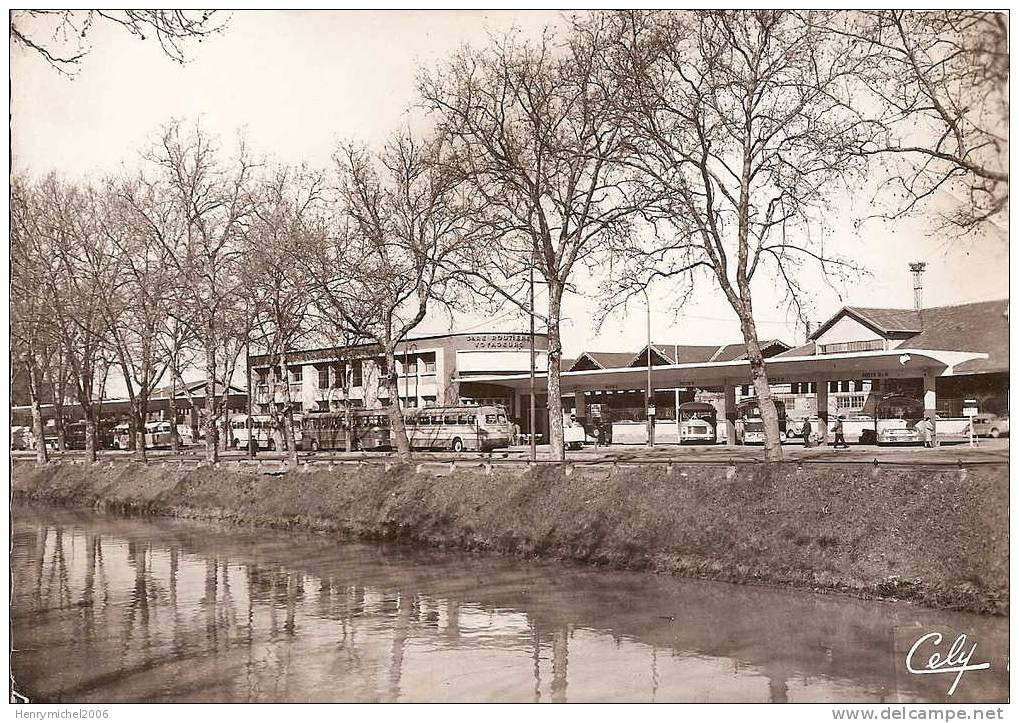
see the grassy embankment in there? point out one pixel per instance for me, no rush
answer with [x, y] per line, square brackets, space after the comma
[939, 538]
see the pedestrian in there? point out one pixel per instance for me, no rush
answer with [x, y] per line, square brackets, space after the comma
[840, 435]
[516, 434]
[927, 432]
[805, 432]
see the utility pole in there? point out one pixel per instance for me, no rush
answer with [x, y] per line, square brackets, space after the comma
[534, 451]
[649, 394]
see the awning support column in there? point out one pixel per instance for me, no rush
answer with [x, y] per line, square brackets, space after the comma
[580, 404]
[930, 399]
[821, 394]
[730, 414]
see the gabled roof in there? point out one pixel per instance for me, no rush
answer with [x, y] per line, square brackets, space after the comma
[690, 354]
[601, 360]
[732, 352]
[566, 363]
[808, 349]
[886, 322]
[980, 326]
[196, 388]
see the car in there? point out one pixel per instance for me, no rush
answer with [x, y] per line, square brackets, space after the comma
[990, 425]
[574, 434]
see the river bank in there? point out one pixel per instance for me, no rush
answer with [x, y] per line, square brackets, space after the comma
[939, 538]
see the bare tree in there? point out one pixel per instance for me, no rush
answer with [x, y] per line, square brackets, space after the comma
[79, 277]
[534, 128]
[739, 132]
[142, 298]
[938, 87]
[289, 209]
[212, 206]
[400, 216]
[61, 37]
[33, 339]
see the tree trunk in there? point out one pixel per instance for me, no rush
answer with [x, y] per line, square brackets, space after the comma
[58, 420]
[90, 435]
[288, 411]
[38, 430]
[209, 423]
[174, 437]
[397, 426]
[555, 401]
[139, 434]
[759, 377]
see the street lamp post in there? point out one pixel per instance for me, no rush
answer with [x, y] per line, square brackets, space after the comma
[533, 443]
[649, 393]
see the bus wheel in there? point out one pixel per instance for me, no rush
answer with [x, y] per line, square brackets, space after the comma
[995, 433]
[458, 444]
[314, 445]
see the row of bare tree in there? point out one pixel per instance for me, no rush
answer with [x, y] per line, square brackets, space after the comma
[684, 147]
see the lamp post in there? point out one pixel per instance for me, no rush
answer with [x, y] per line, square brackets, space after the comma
[649, 393]
[533, 443]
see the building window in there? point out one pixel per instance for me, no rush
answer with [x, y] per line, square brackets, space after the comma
[358, 373]
[338, 376]
[429, 362]
[323, 377]
[852, 402]
[296, 375]
[263, 376]
[745, 390]
[851, 346]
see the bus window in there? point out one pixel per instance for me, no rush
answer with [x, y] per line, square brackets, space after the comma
[424, 420]
[471, 419]
[490, 419]
[464, 419]
[502, 418]
[450, 419]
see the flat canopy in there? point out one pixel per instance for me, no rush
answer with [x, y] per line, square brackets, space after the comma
[892, 364]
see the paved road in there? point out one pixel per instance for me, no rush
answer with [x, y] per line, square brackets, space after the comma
[993, 451]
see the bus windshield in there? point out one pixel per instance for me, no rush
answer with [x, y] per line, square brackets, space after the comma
[899, 408]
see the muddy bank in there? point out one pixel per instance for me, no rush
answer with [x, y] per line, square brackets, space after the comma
[938, 538]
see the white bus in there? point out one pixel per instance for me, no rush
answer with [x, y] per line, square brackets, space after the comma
[460, 428]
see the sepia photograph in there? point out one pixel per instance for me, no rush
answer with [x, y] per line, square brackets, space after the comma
[509, 356]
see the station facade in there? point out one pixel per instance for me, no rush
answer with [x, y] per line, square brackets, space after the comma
[941, 356]
[432, 370]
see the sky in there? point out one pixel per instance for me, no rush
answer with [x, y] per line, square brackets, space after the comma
[297, 82]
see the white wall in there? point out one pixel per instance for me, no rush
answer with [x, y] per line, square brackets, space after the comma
[847, 329]
[478, 361]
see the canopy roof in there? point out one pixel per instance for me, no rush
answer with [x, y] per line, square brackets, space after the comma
[896, 363]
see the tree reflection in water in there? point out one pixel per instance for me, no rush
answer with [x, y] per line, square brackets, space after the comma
[154, 610]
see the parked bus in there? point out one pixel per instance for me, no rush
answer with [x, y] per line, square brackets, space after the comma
[896, 420]
[261, 427]
[698, 423]
[474, 428]
[750, 425]
[328, 430]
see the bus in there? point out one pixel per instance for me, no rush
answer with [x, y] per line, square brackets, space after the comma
[328, 430]
[265, 432]
[896, 420]
[698, 423]
[473, 428]
[750, 425]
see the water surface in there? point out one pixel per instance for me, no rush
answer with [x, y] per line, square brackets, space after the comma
[109, 609]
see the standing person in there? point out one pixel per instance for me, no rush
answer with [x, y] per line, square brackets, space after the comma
[805, 432]
[927, 432]
[840, 435]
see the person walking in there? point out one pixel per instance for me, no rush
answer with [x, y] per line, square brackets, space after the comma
[840, 435]
[805, 432]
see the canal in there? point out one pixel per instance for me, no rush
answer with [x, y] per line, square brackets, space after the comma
[113, 609]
